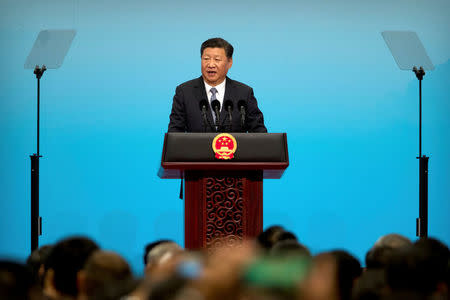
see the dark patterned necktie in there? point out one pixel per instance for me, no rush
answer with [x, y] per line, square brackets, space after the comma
[213, 97]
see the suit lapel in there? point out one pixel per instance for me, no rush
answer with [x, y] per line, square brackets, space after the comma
[229, 95]
[200, 93]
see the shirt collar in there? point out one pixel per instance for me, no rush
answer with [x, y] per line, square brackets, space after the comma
[220, 87]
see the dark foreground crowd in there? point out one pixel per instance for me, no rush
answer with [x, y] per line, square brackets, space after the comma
[274, 266]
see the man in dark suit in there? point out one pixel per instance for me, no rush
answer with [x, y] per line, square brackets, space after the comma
[186, 115]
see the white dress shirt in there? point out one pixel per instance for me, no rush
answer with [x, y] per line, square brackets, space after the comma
[220, 92]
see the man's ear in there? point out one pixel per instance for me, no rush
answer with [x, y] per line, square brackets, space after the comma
[148, 269]
[230, 63]
[49, 279]
[81, 282]
[41, 272]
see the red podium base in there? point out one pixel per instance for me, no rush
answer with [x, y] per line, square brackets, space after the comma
[222, 207]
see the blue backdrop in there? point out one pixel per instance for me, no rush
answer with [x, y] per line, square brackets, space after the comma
[320, 70]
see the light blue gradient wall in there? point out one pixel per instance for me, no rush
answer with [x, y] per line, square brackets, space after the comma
[320, 70]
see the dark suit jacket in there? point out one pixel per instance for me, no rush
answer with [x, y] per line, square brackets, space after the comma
[186, 115]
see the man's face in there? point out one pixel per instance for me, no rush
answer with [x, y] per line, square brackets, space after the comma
[215, 65]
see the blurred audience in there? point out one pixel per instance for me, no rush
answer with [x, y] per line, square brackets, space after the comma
[379, 255]
[370, 286]
[421, 269]
[105, 276]
[274, 266]
[17, 282]
[64, 262]
[348, 270]
[149, 247]
[37, 263]
[157, 254]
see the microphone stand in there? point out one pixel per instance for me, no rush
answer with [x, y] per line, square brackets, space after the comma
[205, 120]
[242, 110]
[216, 111]
[230, 118]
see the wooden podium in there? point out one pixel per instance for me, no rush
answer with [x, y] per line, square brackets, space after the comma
[223, 198]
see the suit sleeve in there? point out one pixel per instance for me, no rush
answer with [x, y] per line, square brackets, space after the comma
[255, 118]
[178, 115]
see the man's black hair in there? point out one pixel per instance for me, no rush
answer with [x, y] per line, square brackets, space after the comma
[384, 248]
[218, 43]
[287, 236]
[152, 245]
[420, 268]
[269, 237]
[348, 269]
[37, 259]
[107, 276]
[66, 259]
[379, 257]
[434, 261]
[370, 286]
[289, 248]
[16, 281]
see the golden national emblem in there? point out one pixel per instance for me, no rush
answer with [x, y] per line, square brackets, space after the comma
[224, 145]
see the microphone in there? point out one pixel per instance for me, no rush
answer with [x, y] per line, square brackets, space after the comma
[204, 107]
[215, 104]
[242, 106]
[229, 108]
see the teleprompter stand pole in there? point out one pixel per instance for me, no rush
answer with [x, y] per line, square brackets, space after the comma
[410, 54]
[48, 52]
[422, 220]
[36, 220]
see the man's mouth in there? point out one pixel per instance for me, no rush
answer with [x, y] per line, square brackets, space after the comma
[211, 73]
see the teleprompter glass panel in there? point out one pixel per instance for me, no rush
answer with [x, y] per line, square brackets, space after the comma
[407, 50]
[50, 49]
